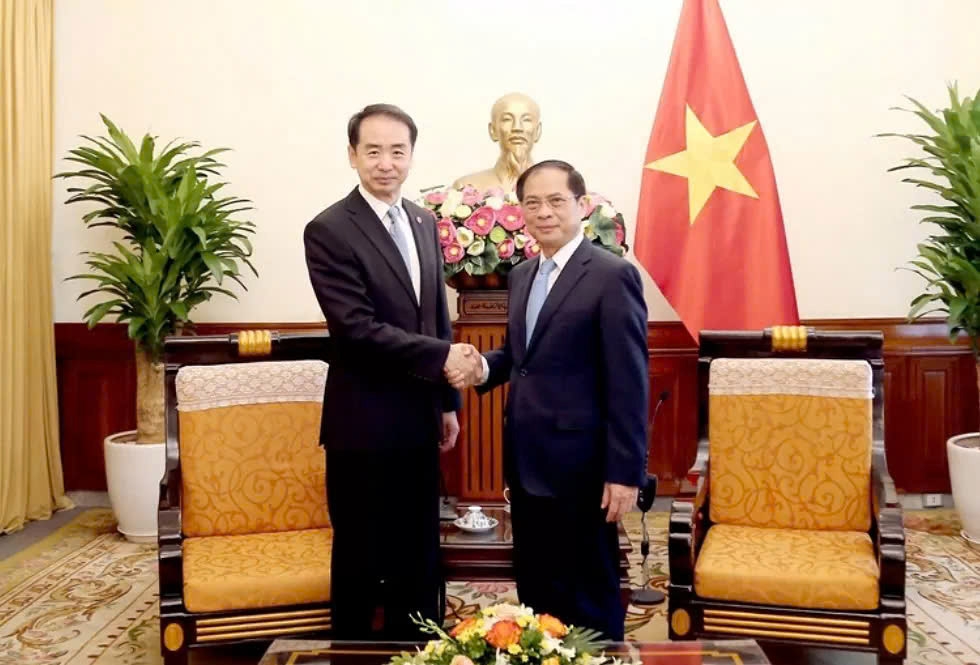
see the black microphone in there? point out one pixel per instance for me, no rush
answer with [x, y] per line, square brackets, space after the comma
[644, 501]
[647, 493]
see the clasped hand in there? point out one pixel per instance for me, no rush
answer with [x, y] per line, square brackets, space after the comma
[464, 366]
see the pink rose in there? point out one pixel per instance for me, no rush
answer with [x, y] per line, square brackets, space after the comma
[495, 191]
[435, 198]
[446, 231]
[506, 249]
[620, 234]
[532, 249]
[471, 196]
[453, 252]
[511, 218]
[481, 222]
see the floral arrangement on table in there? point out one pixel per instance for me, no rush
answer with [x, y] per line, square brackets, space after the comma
[482, 233]
[507, 634]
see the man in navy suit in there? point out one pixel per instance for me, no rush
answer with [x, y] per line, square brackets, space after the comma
[575, 426]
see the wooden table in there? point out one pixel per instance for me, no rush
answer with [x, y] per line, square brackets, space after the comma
[314, 652]
[489, 556]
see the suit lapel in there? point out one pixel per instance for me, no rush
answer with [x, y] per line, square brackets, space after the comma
[573, 271]
[369, 224]
[428, 265]
[522, 292]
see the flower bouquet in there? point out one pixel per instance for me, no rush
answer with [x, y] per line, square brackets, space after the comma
[508, 635]
[482, 233]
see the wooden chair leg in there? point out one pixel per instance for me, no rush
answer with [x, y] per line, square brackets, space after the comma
[890, 660]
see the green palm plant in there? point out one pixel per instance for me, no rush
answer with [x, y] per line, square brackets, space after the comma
[949, 259]
[178, 244]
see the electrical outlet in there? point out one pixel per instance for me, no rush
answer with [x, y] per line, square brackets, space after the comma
[932, 500]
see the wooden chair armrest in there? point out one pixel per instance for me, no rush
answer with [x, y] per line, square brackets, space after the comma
[690, 483]
[889, 531]
[686, 531]
[170, 533]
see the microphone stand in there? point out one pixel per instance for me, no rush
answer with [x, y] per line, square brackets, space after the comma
[644, 501]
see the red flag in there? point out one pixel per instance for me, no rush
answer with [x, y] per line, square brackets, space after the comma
[709, 229]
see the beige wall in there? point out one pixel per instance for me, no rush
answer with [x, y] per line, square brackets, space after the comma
[277, 81]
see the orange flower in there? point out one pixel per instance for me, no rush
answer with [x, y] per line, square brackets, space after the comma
[552, 625]
[460, 627]
[504, 633]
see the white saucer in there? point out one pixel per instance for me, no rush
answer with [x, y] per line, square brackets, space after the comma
[472, 529]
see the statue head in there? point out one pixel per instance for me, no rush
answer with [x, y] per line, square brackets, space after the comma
[515, 123]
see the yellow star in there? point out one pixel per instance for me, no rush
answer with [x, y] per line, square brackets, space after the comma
[707, 163]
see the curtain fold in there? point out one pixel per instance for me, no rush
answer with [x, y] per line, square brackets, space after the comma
[31, 480]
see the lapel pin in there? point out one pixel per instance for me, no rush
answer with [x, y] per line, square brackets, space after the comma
[418, 220]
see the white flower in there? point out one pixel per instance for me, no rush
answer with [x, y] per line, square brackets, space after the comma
[453, 199]
[520, 240]
[607, 211]
[495, 202]
[567, 653]
[511, 197]
[549, 644]
[462, 211]
[502, 659]
[464, 236]
[475, 249]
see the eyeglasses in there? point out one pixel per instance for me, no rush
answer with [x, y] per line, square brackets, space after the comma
[555, 202]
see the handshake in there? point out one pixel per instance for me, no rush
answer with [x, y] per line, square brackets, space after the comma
[464, 366]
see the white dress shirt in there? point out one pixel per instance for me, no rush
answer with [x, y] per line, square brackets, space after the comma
[560, 258]
[380, 208]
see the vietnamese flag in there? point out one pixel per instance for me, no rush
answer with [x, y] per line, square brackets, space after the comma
[709, 229]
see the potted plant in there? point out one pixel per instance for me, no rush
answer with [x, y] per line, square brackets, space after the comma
[949, 260]
[176, 244]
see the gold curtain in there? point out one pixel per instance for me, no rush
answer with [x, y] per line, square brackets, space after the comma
[31, 482]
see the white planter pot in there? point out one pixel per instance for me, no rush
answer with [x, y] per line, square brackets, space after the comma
[963, 453]
[133, 474]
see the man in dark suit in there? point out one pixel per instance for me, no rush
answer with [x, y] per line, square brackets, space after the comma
[575, 429]
[376, 268]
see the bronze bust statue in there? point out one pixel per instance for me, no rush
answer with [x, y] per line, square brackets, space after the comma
[515, 124]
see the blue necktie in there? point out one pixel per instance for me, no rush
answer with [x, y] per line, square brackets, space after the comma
[399, 237]
[539, 292]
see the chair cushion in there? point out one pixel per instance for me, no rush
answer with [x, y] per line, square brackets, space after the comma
[790, 443]
[257, 570]
[249, 447]
[834, 570]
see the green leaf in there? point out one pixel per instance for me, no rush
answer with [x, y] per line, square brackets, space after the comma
[213, 264]
[96, 314]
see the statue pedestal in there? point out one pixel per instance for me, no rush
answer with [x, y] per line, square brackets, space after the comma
[479, 475]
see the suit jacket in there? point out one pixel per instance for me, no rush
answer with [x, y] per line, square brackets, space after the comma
[576, 413]
[385, 387]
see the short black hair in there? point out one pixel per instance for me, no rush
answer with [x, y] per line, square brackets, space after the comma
[390, 110]
[576, 183]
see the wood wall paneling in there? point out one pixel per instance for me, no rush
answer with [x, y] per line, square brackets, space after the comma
[930, 395]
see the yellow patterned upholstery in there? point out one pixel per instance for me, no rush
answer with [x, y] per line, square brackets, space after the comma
[790, 443]
[249, 448]
[807, 569]
[258, 570]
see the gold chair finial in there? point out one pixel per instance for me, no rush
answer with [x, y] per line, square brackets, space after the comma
[789, 338]
[254, 343]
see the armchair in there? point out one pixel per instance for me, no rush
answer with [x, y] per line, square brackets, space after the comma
[794, 533]
[244, 532]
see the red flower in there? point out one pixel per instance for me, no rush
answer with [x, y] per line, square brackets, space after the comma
[453, 252]
[511, 218]
[446, 231]
[481, 222]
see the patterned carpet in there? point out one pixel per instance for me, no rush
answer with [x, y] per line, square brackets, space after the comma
[84, 595]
